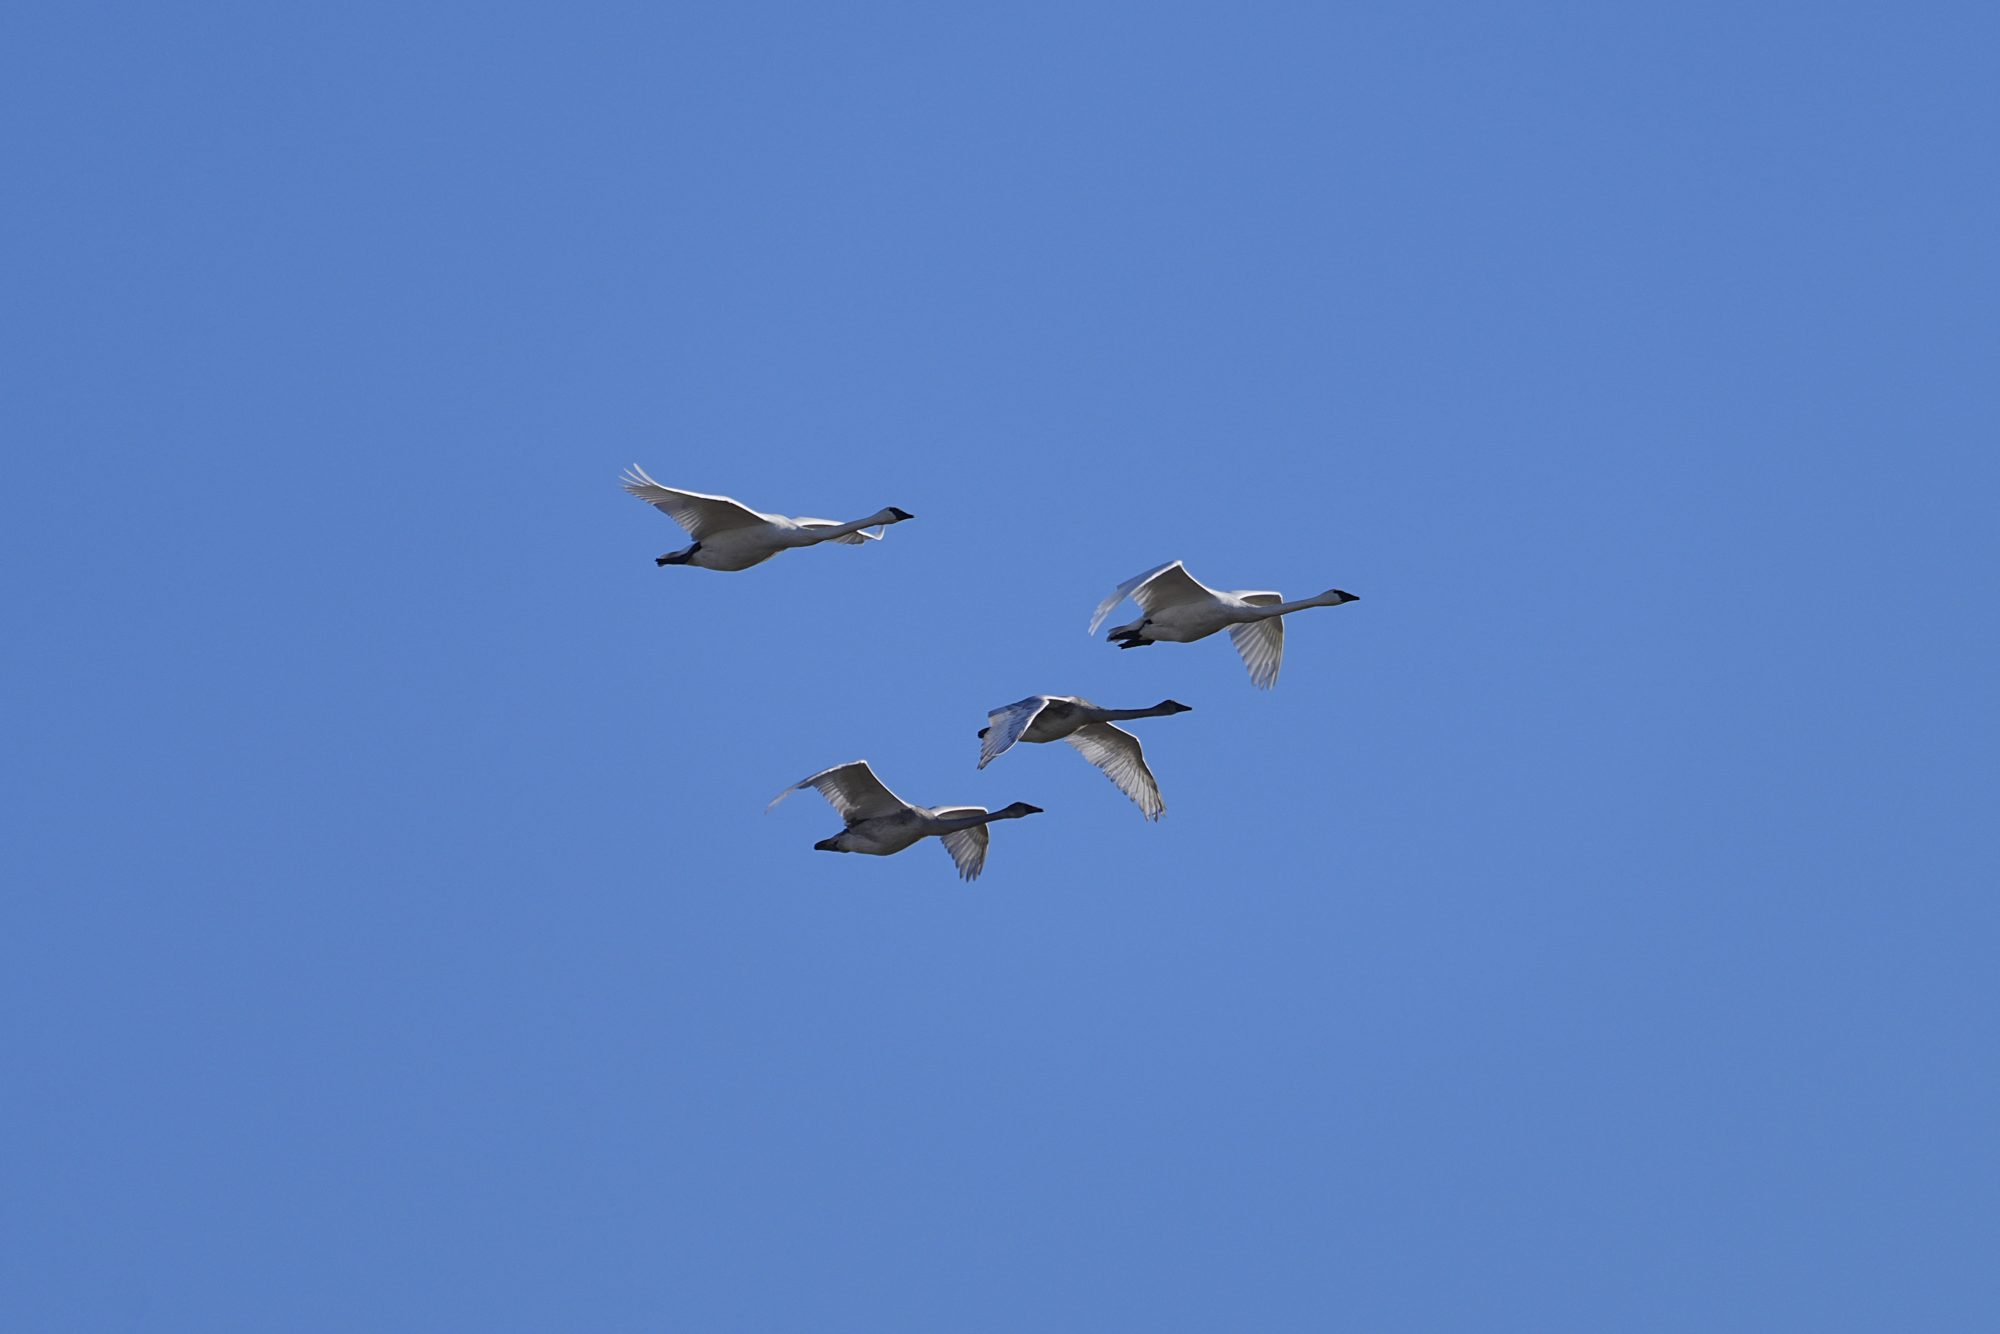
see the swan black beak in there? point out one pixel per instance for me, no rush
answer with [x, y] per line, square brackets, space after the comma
[825, 845]
[901, 513]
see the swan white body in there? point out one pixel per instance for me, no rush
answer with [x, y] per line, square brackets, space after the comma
[881, 823]
[1181, 609]
[731, 536]
[1071, 718]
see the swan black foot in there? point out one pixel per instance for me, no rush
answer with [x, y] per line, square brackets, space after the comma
[677, 557]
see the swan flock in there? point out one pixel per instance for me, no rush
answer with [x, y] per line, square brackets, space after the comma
[1176, 608]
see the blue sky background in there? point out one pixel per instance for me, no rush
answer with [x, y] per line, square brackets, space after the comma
[1594, 930]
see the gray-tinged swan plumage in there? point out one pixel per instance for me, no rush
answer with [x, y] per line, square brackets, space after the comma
[881, 823]
[1094, 733]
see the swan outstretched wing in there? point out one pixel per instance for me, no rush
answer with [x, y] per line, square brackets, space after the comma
[1117, 752]
[853, 539]
[702, 516]
[1261, 643]
[966, 846]
[1162, 586]
[1005, 725]
[852, 789]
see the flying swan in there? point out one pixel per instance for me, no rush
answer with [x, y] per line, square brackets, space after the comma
[730, 536]
[1181, 609]
[880, 823]
[1087, 727]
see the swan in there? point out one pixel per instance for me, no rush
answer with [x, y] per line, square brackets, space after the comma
[731, 536]
[880, 823]
[1181, 609]
[1089, 728]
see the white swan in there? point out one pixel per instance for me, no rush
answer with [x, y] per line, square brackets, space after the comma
[880, 823]
[730, 536]
[1181, 609]
[1087, 727]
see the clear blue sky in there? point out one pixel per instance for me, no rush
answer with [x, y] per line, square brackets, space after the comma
[1595, 930]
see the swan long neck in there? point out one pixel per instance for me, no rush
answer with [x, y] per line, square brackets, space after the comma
[1330, 598]
[953, 823]
[1120, 715]
[843, 529]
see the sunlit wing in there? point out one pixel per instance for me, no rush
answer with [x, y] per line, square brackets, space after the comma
[1261, 644]
[1162, 586]
[1005, 725]
[1117, 752]
[852, 789]
[702, 516]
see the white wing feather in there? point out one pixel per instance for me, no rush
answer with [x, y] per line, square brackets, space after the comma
[1162, 586]
[966, 846]
[701, 515]
[852, 789]
[1117, 752]
[1261, 644]
[1005, 725]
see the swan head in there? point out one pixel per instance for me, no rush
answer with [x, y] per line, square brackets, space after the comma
[1173, 706]
[1337, 596]
[898, 515]
[1016, 811]
[828, 844]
